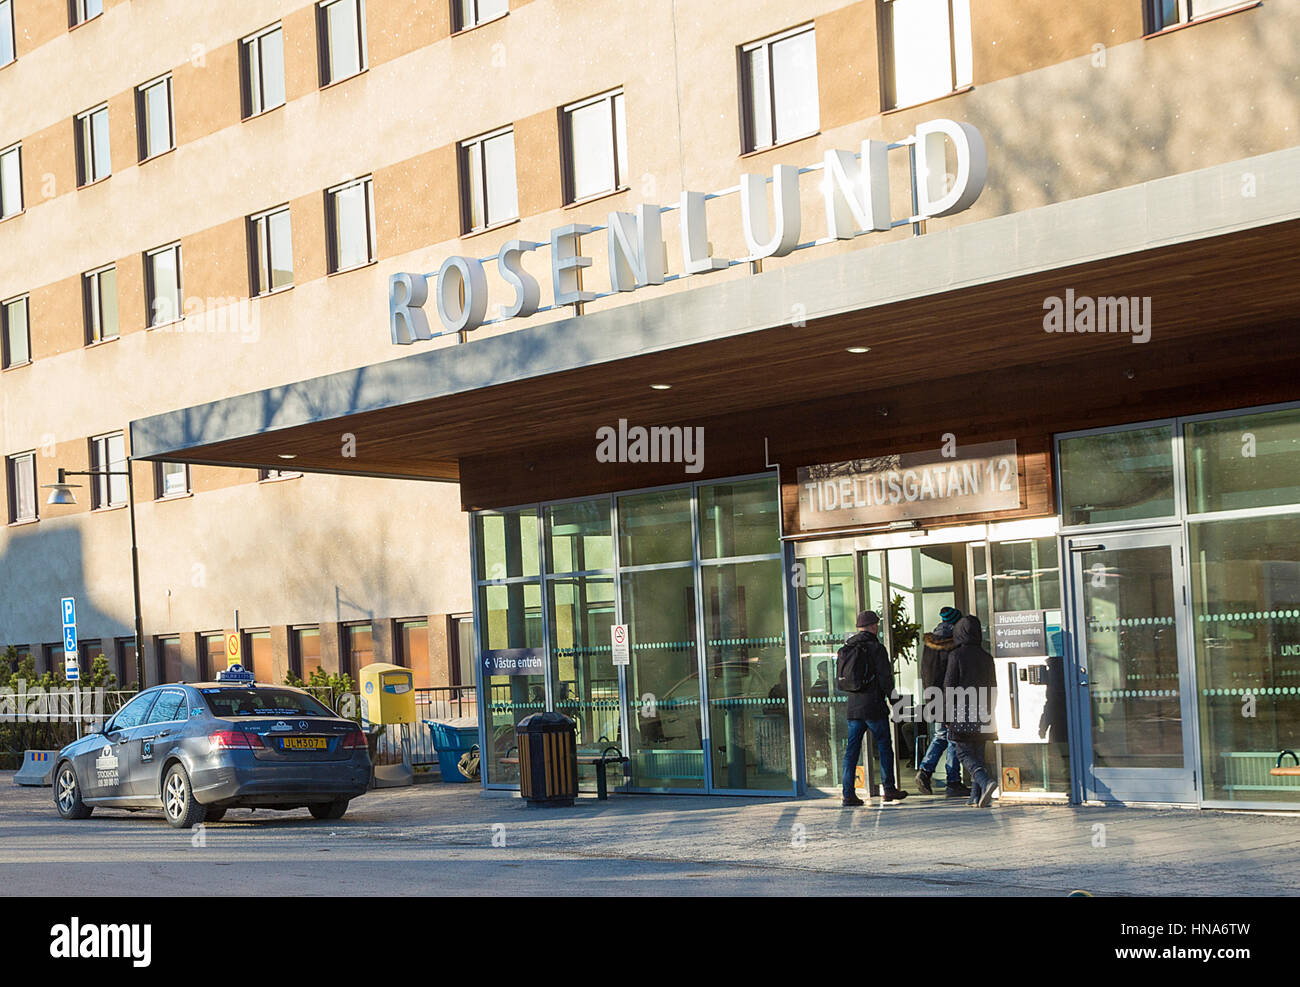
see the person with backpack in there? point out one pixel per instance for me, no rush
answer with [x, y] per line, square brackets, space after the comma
[938, 644]
[863, 670]
[968, 688]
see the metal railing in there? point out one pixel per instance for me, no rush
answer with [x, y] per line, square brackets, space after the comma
[439, 703]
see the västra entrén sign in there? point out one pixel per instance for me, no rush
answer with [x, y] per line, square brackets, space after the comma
[855, 190]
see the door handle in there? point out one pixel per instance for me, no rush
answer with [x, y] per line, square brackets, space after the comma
[162, 733]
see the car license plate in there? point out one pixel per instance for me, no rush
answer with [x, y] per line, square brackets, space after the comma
[303, 743]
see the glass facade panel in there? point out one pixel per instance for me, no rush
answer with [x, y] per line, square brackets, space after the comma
[827, 605]
[578, 536]
[655, 527]
[1125, 475]
[666, 743]
[506, 544]
[744, 648]
[583, 675]
[510, 620]
[1245, 576]
[1245, 461]
[739, 519]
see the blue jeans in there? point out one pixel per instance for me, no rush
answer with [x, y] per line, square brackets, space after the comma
[972, 758]
[857, 730]
[935, 751]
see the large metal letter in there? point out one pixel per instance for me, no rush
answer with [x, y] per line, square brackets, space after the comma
[636, 248]
[857, 192]
[406, 294]
[462, 294]
[933, 196]
[697, 252]
[527, 292]
[567, 265]
[782, 235]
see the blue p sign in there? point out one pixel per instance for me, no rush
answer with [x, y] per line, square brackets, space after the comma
[69, 610]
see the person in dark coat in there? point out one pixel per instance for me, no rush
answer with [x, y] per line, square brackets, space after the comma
[938, 644]
[968, 688]
[869, 710]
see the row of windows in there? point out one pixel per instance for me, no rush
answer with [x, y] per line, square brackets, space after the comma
[107, 454]
[356, 648]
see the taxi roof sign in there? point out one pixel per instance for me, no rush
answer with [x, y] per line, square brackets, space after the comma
[235, 673]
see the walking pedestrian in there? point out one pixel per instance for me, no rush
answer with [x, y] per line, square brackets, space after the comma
[968, 688]
[938, 644]
[868, 709]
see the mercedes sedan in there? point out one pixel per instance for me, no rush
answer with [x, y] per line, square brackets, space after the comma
[196, 750]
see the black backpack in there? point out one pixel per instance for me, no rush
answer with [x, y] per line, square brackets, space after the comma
[852, 671]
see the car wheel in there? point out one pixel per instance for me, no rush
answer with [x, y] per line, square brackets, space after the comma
[214, 814]
[181, 808]
[67, 794]
[329, 810]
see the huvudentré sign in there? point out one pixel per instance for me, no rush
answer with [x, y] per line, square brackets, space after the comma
[976, 479]
[855, 190]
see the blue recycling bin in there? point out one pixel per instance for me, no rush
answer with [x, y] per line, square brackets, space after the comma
[451, 740]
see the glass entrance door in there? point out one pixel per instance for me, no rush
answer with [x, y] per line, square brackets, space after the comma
[1133, 668]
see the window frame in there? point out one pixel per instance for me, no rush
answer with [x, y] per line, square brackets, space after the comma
[246, 80]
[160, 481]
[457, 26]
[13, 37]
[567, 156]
[143, 127]
[84, 146]
[324, 47]
[346, 662]
[101, 487]
[463, 152]
[11, 487]
[6, 357]
[1154, 21]
[93, 314]
[748, 140]
[77, 13]
[332, 243]
[295, 647]
[257, 227]
[14, 148]
[888, 56]
[150, 289]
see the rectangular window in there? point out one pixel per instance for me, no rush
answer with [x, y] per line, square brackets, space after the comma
[1168, 13]
[99, 303]
[257, 655]
[80, 11]
[350, 221]
[87, 652]
[413, 650]
[162, 284]
[125, 669]
[1243, 462]
[108, 455]
[153, 113]
[471, 13]
[7, 52]
[21, 476]
[358, 647]
[171, 480]
[487, 180]
[778, 84]
[927, 49]
[1124, 475]
[91, 132]
[595, 146]
[168, 651]
[212, 654]
[462, 645]
[261, 59]
[11, 181]
[15, 337]
[341, 30]
[306, 651]
[270, 251]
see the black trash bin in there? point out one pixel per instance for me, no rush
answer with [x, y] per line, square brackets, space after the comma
[548, 759]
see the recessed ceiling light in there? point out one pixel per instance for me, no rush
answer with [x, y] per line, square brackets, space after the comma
[660, 387]
[858, 349]
[288, 455]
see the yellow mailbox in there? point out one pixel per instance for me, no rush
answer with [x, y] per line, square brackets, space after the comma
[387, 694]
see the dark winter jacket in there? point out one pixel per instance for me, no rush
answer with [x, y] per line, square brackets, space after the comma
[871, 705]
[934, 656]
[969, 667]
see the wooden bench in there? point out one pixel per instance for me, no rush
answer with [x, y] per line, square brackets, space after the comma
[1289, 772]
[610, 755]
